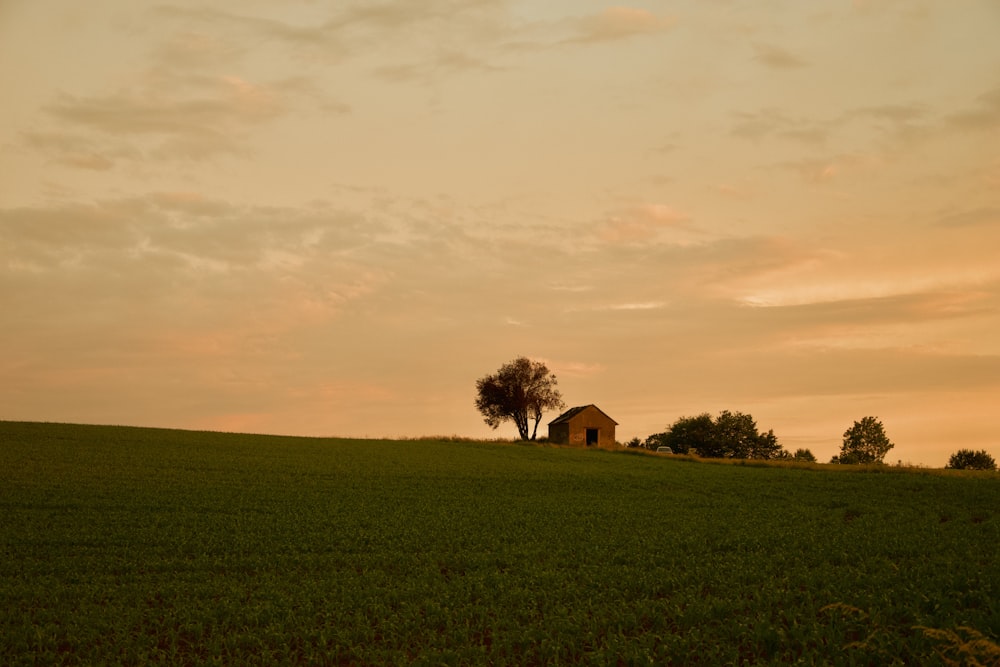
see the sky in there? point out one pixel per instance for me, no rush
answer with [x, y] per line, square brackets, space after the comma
[331, 218]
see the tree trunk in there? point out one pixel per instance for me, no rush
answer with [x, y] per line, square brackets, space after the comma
[521, 419]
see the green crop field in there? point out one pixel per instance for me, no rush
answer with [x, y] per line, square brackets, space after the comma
[138, 546]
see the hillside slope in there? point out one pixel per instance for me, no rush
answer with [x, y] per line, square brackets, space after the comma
[128, 545]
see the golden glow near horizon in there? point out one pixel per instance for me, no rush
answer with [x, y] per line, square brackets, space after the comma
[331, 218]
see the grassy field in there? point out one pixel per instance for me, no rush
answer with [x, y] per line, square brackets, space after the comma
[138, 546]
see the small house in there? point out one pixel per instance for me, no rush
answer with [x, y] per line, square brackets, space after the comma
[585, 426]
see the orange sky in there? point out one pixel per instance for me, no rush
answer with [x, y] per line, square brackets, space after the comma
[330, 218]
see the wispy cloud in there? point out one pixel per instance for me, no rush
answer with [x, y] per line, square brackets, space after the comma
[983, 115]
[575, 369]
[341, 33]
[640, 305]
[195, 50]
[216, 102]
[442, 64]
[898, 114]
[210, 117]
[627, 306]
[731, 267]
[615, 23]
[562, 287]
[824, 170]
[776, 57]
[771, 122]
[985, 215]
[895, 309]
[169, 115]
[76, 150]
[243, 25]
[181, 235]
[642, 222]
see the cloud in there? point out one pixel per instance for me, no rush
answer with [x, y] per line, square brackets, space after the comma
[903, 123]
[984, 115]
[211, 117]
[182, 302]
[772, 122]
[76, 150]
[823, 170]
[403, 14]
[169, 115]
[445, 63]
[575, 369]
[198, 51]
[570, 288]
[622, 307]
[817, 171]
[990, 176]
[167, 239]
[776, 57]
[910, 308]
[861, 373]
[985, 215]
[951, 273]
[616, 23]
[352, 29]
[197, 276]
[898, 114]
[731, 267]
[641, 223]
[737, 192]
[242, 26]
[904, 8]
[398, 42]
[641, 305]
[219, 101]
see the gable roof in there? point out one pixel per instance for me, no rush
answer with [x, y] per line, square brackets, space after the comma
[572, 412]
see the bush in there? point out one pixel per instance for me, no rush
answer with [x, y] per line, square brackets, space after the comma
[966, 459]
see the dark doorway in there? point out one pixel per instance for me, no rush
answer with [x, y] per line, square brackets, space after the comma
[592, 436]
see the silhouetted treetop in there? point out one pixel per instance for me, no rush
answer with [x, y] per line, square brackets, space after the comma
[520, 391]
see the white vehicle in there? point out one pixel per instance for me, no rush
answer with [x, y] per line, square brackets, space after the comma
[664, 450]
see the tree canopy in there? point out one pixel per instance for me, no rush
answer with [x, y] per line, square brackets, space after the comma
[804, 455]
[966, 459]
[520, 391]
[730, 435]
[685, 434]
[865, 442]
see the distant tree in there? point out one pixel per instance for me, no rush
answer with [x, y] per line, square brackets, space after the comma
[634, 443]
[730, 435]
[767, 447]
[865, 442]
[803, 455]
[685, 434]
[520, 391]
[735, 435]
[655, 440]
[966, 459]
